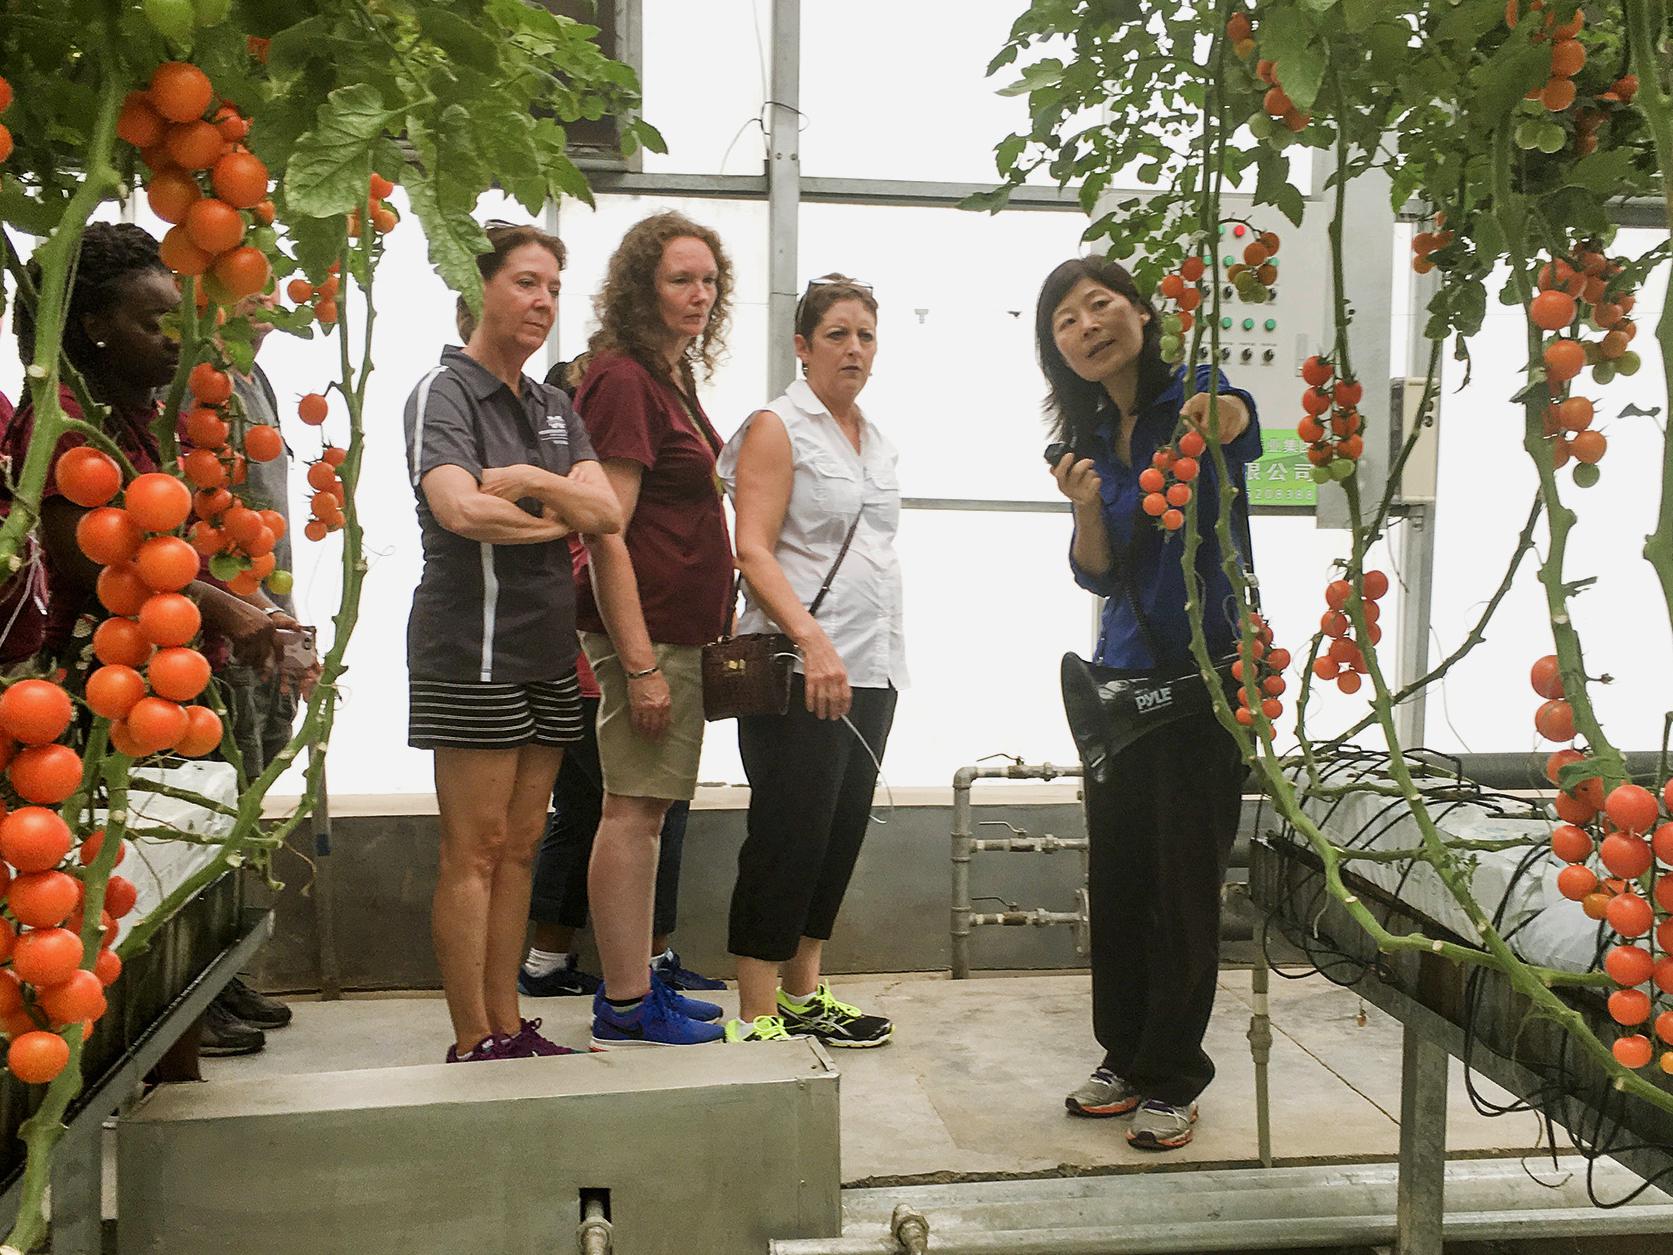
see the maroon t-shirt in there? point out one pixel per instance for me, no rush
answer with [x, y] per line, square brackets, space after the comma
[682, 554]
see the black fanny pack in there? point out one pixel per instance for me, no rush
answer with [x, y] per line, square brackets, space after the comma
[1108, 710]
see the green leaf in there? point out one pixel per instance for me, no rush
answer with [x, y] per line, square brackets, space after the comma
[460, 39]
[1504, 79]
[1046, 73]
[1360, 15]
[225, 567]
[1603, 171]
[1302, 73]
[332, 162]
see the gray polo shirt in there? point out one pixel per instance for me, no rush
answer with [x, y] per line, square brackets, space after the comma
[502, 613]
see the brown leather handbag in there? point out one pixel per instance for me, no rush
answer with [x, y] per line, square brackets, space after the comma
[750, 674]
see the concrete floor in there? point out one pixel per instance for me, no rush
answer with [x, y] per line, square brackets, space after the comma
[973, 1084]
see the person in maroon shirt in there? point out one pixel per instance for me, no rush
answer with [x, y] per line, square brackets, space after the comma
[114, 336]
[658, 595]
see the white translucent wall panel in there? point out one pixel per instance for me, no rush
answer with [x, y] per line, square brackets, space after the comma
[1486, 486]
[955, 383]
[706, 74]
[591, 235]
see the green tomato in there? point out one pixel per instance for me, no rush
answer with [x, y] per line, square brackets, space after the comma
[1170, 345]
[1586, 475]
[1260, 126]
[1321, 475]
[1342, 469]
[212, 12]
[264, 238]
[1282, 137]
[279, 583]
[1551, 139]
[173, 19]
[1604, 372]
[1170, 324]
[1528, 132]
[1628, 363]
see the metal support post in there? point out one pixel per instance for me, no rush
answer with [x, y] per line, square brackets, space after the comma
[77, 1198]
[1260, 1050]
[1420, 1205]
[1417, 577]
[962, 781]
[325, 901]
[784, 175]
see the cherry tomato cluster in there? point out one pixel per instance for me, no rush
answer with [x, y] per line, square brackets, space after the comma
[1278, 121]
[1256, 275]
[1334, 449]
[1622, 834]
[321, 297]
[1269, 663]
[1589, 288]
[44, 987]
[377, 211]
[1167, 481]
[5, 134]
[1568, 57]
[238, 540]
[1343, 659]
[1179, 294]
[1427, 243]
[181, 142]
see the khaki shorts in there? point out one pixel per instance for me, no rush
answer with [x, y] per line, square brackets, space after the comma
[634, 766]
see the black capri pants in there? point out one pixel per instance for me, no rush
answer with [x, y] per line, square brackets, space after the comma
[1161, 831]
[811, 784]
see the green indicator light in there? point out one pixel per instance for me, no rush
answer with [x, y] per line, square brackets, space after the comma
[1248, 324]
[1225, 324]
[1222, 232]
[1228, 260]
[1272, 324]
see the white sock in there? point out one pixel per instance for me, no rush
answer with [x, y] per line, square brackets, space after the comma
[545, 962]
[803, 1003]
[666, 957]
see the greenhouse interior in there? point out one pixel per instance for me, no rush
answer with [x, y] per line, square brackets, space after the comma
[1193, 722]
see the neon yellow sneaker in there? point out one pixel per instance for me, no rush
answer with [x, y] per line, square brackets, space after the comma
[832, 1021]
[761, 1028]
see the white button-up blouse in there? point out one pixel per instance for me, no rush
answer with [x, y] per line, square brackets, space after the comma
[862, 614]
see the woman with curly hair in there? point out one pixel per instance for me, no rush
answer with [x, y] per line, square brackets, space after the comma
[659, 593]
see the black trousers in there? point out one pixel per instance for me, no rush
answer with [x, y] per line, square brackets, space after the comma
[811, 784]
[560, 870]
[1161, 832]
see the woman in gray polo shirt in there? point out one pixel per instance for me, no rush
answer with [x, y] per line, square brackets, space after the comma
[503, 472]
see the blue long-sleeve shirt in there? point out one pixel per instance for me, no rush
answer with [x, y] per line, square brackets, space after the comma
[1149, 557]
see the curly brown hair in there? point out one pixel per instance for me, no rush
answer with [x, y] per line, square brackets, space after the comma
[629, 317]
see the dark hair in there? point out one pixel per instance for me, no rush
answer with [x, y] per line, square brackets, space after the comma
[111, 253]
[824, 292]
[505, 238]
[629, 316]
[1074, 403]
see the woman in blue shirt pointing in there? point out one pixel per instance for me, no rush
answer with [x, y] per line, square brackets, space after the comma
[1162, 820]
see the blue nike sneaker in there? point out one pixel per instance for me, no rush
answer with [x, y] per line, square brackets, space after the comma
[656, 1021]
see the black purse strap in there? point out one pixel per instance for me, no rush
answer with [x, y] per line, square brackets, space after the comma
[841, 554]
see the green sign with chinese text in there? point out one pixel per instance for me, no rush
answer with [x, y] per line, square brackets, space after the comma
[1283, 476]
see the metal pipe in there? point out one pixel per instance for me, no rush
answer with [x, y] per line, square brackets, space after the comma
[1038, 918]
[1298, 1233]
[964, 845]
[1047, 844]
[593, 1234]
[784, 192]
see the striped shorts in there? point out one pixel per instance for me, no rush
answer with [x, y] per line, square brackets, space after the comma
[478, 715]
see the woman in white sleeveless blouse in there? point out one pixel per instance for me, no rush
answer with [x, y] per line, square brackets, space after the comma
[804, 474]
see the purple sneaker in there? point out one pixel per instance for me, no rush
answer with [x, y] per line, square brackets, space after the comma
[490, 1047]
[528, 1043]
